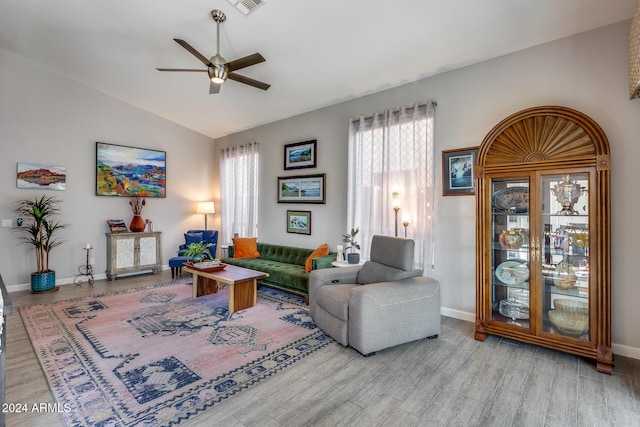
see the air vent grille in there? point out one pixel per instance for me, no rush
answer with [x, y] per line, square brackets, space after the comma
[246, 6]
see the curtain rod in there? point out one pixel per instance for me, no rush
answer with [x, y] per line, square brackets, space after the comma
[396, 111]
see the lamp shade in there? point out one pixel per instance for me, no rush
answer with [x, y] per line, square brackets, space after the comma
[634, 54]
[205, 208]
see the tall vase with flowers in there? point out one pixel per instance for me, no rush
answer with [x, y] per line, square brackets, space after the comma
[136, 202]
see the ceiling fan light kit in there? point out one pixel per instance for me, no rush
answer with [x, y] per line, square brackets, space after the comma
[218, 69]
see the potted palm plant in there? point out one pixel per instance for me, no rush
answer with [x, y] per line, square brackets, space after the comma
[350, 239]
[40, 229]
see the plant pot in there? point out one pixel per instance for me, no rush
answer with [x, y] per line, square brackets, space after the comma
[353, 258]
[43, 282]
[137, 224]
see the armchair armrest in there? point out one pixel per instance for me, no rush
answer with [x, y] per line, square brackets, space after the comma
[328, 276]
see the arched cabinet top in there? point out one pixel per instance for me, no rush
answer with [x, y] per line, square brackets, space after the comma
[540, 134]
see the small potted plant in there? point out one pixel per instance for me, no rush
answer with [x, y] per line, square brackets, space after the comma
[350, 239]
[197, 251]
[40, 229]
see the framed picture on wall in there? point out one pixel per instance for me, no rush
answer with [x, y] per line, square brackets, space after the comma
[300, 155]
[301, 189]
[130, 171]
[41, 177]
[458, 177]
[299, 222]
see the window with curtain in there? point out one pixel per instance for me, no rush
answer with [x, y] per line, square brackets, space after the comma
[393, 152]
[239, 191]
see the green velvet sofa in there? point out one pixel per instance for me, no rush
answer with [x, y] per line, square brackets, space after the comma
[285, 266]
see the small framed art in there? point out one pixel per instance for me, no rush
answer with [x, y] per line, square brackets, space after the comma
[300, 155]
[299, 222]
[117, 226]
[458, 177]
[301, 189]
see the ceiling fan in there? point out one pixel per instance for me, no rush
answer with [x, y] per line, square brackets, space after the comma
[218, 68]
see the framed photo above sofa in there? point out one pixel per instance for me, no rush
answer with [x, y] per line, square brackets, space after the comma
[301, 189]
[458, 177]
[300, 155]
[299, 222]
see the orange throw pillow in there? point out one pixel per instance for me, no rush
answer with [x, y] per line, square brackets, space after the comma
[245, 247]
[323, 250]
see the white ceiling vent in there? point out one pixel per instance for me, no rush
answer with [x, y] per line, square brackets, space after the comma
[246, 6]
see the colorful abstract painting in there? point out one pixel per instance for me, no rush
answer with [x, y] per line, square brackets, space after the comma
[128, 171]
[41, 177]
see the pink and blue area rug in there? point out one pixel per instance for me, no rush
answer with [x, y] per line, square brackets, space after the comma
[156, 356]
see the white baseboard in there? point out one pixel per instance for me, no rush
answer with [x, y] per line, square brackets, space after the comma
[69, 280]
[619, 349]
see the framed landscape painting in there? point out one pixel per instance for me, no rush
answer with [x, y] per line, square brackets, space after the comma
[130, 171]
[299, 222]
[41, 177]
[301, 189]
[457, 171]
[300, 155]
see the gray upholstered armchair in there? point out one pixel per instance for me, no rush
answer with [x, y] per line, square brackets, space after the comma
[383, 303]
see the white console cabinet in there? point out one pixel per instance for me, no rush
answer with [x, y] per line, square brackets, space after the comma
[133, 252]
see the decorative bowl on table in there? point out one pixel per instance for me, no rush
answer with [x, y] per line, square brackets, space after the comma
[207, 266]
[571, 305]
[569, 323]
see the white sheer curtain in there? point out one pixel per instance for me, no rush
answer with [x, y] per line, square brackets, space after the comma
[392, 152]
[239, 191]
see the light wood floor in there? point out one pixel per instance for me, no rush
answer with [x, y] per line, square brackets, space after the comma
[450, 381]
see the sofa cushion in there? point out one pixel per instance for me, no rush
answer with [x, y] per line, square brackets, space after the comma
[322, 250]
[373, 272]
[192, 238]
[290, 276]
[286, 254]
[245, 247]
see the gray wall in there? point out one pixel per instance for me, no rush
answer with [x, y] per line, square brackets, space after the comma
[587, 72]
[46, 118]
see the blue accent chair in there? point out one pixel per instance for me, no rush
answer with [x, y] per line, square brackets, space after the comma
[209, 236]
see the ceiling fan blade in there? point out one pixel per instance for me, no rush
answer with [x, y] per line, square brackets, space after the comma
[214, 88]
[194, 52]
[249, 81]
[180, 69]
[247, 61]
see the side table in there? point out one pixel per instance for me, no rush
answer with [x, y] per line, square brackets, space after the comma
[344, 264]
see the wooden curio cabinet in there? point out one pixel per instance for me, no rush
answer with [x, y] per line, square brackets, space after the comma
[543, 233]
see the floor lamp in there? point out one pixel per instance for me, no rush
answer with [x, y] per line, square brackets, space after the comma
[205, 208]
[396, 208]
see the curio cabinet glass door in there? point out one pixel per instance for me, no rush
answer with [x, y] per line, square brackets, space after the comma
[543, 230]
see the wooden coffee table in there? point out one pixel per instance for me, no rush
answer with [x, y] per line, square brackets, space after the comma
[242, 284]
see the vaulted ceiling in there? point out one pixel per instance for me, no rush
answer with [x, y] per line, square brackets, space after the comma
[318, 53]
